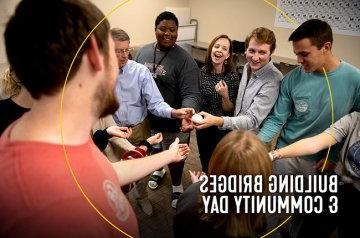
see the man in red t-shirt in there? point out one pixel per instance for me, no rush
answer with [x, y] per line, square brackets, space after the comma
[51, 190]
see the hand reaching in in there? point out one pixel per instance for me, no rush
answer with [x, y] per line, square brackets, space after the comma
[186, 125]
[195, 175]
[182, 113]
[117, 131]
[155, 139]
[208, 120]
[180, 151]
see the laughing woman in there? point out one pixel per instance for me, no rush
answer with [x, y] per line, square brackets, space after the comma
[218, 86]
[258, 89]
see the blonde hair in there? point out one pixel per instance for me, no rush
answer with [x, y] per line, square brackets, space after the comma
[9, 84]
[240, 153]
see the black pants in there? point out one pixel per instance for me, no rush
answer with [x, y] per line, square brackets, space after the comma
[207, 139]
[349, 211]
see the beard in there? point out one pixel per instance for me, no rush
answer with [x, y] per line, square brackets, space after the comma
[107, 102]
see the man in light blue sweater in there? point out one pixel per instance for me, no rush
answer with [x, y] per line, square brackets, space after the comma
[138, 94]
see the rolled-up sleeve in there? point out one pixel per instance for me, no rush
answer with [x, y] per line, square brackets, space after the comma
[257, 112]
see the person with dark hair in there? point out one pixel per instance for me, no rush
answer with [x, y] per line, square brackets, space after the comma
[219, 84]
[54, 180]
[166, 15]
[304, 106]
[137, 91]
[238, 153]
[177, 76]
[258, 89]
[318, 32]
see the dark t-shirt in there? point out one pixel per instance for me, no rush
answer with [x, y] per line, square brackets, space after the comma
[9, 112]
[177, 77]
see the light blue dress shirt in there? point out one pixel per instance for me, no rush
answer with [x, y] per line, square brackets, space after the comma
[137, 92]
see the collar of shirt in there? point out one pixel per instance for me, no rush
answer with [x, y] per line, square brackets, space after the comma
[125, 68]
[261, 71]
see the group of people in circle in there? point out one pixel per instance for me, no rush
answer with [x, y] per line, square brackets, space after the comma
[139, 114]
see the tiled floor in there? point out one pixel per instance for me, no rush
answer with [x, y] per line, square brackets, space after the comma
[159, 225]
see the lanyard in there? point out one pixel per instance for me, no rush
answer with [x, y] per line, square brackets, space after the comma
[157, 65]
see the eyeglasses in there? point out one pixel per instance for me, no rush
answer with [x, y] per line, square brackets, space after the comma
[124, 51]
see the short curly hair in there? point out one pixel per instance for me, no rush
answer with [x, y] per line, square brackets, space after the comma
[166, 16]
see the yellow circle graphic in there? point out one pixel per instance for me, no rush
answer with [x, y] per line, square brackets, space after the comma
[293, 21]
[61, 117]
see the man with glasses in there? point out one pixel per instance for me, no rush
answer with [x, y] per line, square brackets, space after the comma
[137, 92]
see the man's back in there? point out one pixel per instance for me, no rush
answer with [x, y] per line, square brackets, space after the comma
[43, 199]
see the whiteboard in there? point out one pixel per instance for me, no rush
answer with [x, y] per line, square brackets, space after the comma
[186, 32]
[342, 15]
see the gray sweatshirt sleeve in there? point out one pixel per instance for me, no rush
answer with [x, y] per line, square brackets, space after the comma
[189, 85]
[260, 107]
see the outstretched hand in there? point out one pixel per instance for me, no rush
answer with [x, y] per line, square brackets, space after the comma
[117, 131]
[186, 125]
[182, 113]
[195, 175]
[208, 120]
[155, 139]
[180, 151]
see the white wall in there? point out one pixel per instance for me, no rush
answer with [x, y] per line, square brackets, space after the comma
[137, 17]
[237, 18]
[233, 17]
[7, 7]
